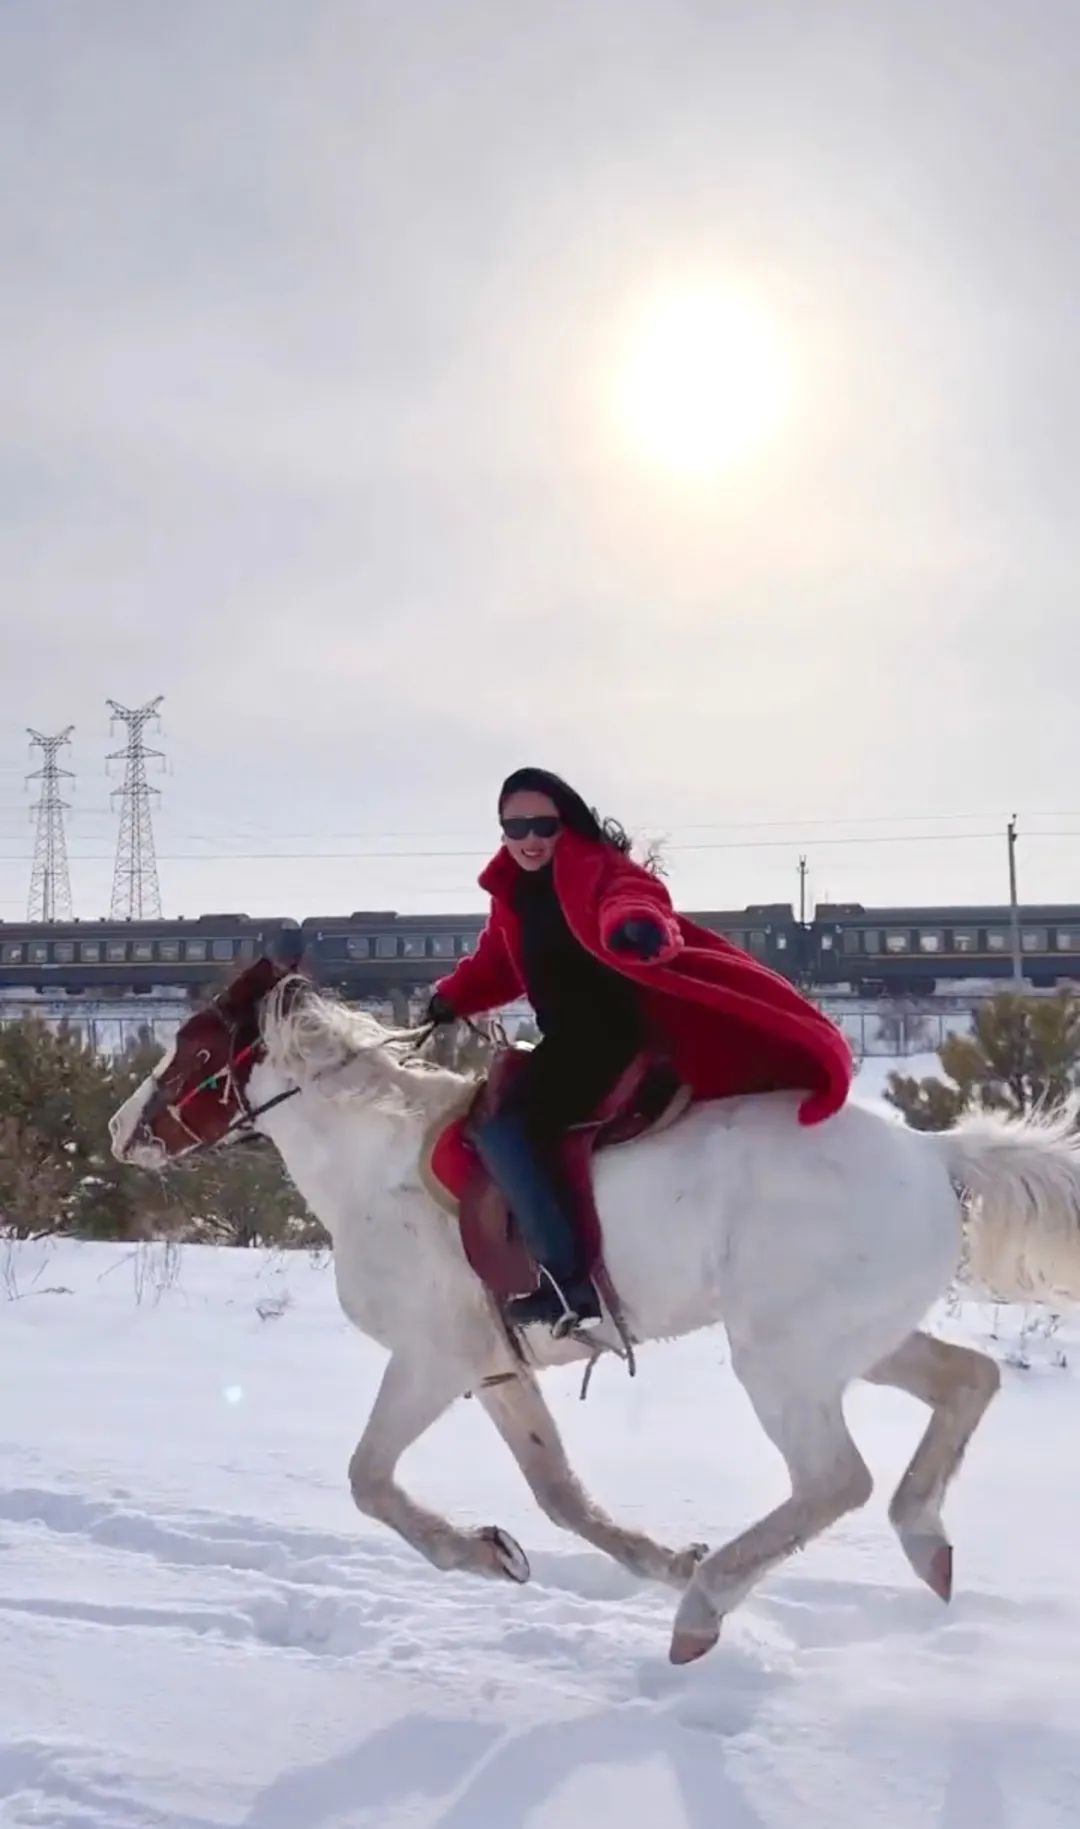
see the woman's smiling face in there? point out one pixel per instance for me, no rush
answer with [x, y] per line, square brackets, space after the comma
[531, 827]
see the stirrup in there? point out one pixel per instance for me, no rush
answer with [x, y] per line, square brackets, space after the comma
[569, 1324]
[601, 1334]
[558, 1314]
[611, 1335]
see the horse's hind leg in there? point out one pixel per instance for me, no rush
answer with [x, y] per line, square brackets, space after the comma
[958, 1384]
[828, 1478]
[528, 1428]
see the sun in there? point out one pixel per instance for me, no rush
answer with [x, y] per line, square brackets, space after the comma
[704, 383]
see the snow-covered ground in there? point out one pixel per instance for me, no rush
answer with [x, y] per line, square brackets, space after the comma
[197, 1630]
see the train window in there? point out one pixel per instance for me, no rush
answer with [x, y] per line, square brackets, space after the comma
[195, 949]
[1033, 940]
[781, 943]
[758, 939]
[442, 946]
[358, 946]
[63, 951]
[1068, 939]
[168, 949]
[997, 940]
[246, 949]
[142, 951]
[896, 941]
[386, 946]
[90, 951]
[871, 940]
[930, 942]
[116, 951]
[965, 940]
[414, 946]
[851, 940]
[221, 949]
[827, 943]
[12, 953]
[39, 952]
[465, 943]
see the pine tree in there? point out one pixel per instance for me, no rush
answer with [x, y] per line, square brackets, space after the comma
[926, 1104]
[239, 1195]
[56, 1098]
[1023, 1054]
[58, 1173]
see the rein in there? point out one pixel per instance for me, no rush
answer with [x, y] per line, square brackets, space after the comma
[231, 1084]
[246, 1117]
[228, 1078]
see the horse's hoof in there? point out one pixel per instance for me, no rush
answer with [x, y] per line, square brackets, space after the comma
[508, 1557]
[940, 1577]
[932, 1559]
[697, 1626]
[687, 1647]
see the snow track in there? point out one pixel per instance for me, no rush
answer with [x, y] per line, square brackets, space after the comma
[197, 1631]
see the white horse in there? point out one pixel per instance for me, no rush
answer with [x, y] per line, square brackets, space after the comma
[820, 1249]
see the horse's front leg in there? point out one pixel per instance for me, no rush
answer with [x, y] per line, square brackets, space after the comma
[528, 1428]
[412, 1396]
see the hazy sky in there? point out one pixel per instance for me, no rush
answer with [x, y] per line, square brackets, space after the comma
[312, 321]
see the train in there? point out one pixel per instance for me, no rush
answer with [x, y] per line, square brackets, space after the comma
[845, 946]
[115, 958]
[915, 951]
[356, 955]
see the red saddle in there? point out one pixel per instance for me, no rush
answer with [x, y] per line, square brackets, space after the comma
[645, 1097]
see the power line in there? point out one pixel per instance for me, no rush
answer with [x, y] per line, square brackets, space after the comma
[651, 825]
[758, 844]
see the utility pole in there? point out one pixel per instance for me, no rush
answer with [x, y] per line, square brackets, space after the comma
[1014, 908]
[50, 884]
[136, 895]
[802, 892]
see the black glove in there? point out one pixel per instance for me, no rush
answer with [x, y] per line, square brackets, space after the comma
[645, 938]
[439, 1011]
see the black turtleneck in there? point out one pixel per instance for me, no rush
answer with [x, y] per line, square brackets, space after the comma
[573, 993]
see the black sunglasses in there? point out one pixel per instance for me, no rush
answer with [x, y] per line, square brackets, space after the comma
[545, 825]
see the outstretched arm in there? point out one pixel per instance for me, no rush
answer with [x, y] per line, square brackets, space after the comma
[638, 921]
[484, 981]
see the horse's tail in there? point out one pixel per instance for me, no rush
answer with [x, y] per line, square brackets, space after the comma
[1023, 1176]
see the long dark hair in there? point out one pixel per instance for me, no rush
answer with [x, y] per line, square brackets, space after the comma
[572, 809]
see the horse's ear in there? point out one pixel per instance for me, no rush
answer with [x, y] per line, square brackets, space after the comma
[266, 972]
[288, 949]
[255, 982]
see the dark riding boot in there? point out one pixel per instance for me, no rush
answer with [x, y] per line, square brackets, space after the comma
[564, 1296]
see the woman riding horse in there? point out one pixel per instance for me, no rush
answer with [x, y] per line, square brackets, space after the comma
[612, 973]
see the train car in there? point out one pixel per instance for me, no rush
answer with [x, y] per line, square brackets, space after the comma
[110, 958]
[911, 951]
[359, 954]
[768, 931]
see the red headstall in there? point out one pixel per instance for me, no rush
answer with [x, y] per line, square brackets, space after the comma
[201, 1098]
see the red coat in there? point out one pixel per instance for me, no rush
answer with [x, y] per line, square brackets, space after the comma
[729, 1024]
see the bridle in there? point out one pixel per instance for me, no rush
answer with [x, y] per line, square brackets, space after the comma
[232, 1087]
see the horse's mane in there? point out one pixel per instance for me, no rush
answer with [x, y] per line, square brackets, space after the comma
[312, 1037]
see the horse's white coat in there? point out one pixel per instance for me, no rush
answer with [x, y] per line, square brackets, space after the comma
[820, 1250]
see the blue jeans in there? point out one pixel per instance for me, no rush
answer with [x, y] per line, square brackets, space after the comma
[529, 1179]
